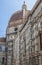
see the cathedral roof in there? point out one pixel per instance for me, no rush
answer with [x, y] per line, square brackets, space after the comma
[2, 39]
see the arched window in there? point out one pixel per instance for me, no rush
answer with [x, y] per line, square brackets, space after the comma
[3, 60]
[16, 29]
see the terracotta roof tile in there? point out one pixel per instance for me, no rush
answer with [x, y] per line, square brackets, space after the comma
[2, 39]
[16, 16]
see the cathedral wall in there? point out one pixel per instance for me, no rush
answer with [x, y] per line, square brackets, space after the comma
[30, 37]
[27, 42]
[2, 51]
[16, 51]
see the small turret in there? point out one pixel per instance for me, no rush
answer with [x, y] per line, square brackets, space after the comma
[24, 9]
[24, 6]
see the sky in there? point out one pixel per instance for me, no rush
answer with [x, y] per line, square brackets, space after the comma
[7, 8]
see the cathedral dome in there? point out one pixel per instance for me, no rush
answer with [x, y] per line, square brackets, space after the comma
[15, 18]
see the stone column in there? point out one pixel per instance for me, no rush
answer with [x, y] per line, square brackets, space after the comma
[40, 62]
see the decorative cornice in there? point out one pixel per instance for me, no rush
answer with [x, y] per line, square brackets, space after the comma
[35, 6]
